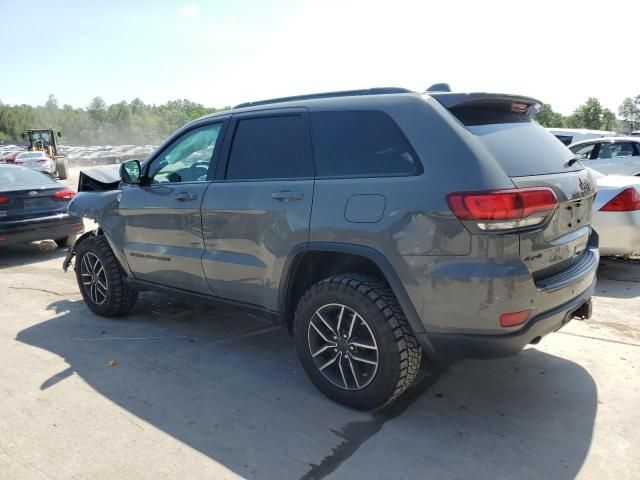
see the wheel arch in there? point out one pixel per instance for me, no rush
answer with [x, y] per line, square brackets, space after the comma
[299, 275]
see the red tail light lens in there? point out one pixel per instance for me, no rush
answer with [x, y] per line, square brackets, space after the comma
[514, 205]
[626, 201]
[66, 194]
[4, 200]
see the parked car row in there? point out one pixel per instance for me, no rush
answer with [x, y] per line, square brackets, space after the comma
[107, 154]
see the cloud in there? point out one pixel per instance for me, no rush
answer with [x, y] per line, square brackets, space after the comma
[189, 11]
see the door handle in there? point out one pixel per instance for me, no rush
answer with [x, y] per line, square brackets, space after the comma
[287, 196]
[185, 196]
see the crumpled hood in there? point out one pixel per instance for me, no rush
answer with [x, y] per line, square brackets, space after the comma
[99, 178]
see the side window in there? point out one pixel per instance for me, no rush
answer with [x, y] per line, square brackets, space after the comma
[271, 147]
[583, 152]
[352, 143]
[188, 158]
[615, 150]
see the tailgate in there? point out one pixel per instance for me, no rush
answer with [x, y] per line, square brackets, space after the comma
[561, 240]
[532, 157]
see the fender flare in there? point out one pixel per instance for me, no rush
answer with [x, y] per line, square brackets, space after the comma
[369, 253]
[74, 249]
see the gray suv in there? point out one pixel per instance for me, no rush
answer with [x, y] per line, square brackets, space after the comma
[380, 227]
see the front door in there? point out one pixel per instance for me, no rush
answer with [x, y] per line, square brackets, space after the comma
[161, 217]
[259, 208]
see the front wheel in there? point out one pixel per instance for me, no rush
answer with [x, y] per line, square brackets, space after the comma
[354, 341]
[101, 279]
[62, 168]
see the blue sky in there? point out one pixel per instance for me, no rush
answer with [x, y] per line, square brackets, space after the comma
[224, 52]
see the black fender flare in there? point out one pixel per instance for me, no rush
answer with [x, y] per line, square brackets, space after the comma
[369, 253]
[74, 248]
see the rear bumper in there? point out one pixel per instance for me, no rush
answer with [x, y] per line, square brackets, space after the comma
[32, 229]
[458, 345]
[619, 232]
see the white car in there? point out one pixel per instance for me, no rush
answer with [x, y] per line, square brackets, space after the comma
[38, 161]
[616, 214]
[611, 155]
[573, 135]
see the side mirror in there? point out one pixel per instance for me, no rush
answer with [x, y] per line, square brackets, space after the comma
[24, 136]
[60, 134]
[130, 172]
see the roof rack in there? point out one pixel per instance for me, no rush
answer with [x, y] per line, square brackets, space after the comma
[343, 93]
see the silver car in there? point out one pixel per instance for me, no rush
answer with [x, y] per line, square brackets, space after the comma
[38, 161]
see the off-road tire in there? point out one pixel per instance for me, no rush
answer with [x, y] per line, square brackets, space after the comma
[62, 168]
[120, 298]
[65, 241]
[399, 352]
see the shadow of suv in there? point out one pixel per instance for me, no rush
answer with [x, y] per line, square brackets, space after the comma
[376, 225]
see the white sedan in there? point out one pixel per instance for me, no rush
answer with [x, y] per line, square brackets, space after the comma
[610, 155]
[38, 161]
[616, 214]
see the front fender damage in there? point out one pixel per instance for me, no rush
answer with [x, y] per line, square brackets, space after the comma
[74, 249]
[97, 200]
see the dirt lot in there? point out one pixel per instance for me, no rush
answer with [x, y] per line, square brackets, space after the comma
[194, 392]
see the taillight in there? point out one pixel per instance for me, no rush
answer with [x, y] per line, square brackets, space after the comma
[66, 194]
[504, 209]
[4, 200]
[626, 201]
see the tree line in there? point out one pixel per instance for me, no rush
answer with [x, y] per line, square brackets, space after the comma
[122, 123]
[594, 116]
[139, 123]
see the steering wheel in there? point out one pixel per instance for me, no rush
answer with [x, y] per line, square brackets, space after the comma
[192, 173]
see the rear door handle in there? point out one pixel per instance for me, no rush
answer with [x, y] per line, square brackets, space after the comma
[185, 196]
[287, 196]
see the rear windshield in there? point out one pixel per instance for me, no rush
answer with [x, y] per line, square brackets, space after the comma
[22, 177]
[524, 148]
[521, 146]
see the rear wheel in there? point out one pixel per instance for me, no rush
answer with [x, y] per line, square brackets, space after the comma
[101, 279]
[62, 167]
[354, 341]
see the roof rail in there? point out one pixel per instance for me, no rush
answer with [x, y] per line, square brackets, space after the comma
[343, 93]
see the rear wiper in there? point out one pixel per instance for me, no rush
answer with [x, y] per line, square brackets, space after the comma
[571, 161]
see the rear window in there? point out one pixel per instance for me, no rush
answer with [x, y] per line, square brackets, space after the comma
[520, 145]
[360, 144]
[22, 177]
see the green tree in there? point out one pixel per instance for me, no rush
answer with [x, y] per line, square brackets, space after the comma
[589, 114]
[97, 109]
[629, 111]
[548, 118]
[609, 120]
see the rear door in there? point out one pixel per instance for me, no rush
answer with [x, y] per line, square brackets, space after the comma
[259, 207]
[161, 219]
